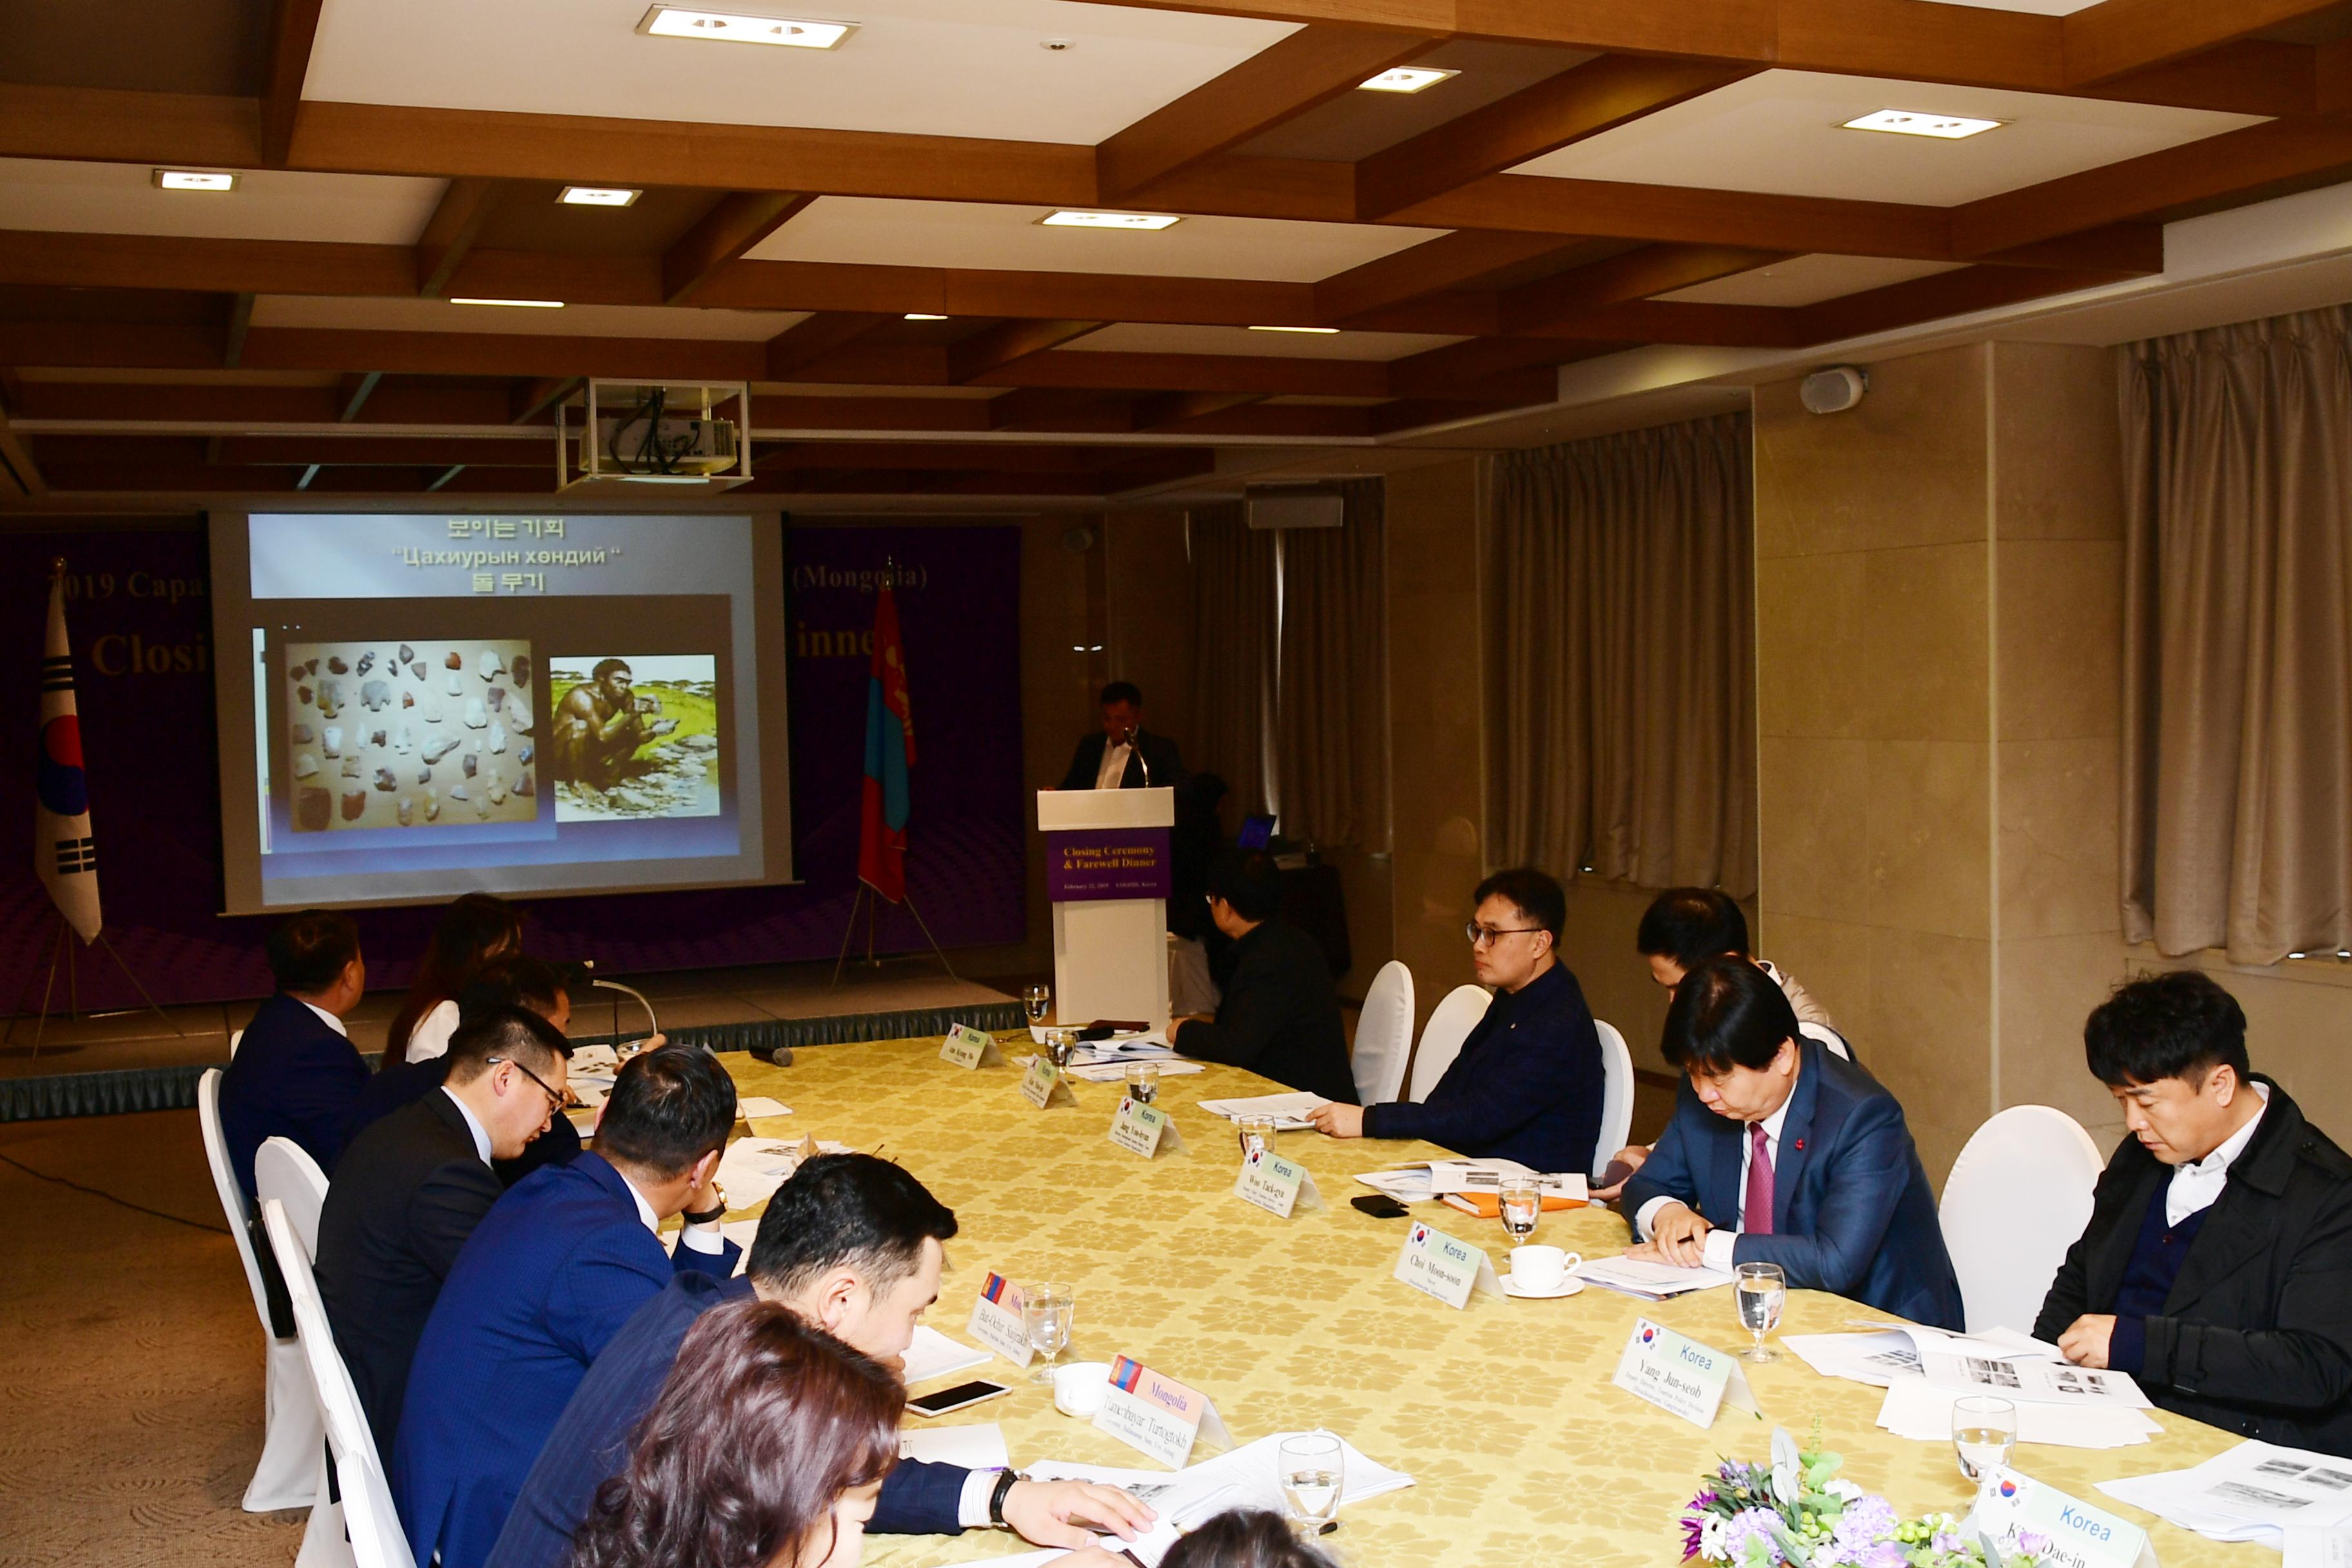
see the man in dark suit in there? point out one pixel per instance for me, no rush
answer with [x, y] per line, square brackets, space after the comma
[1123, 756]
[413, 1185]
[1783, 1151]
[1528, 1083]
[1279, 1017]
[295, 1074]
[2217, 1267]
[853, 1244]
[546, 1280]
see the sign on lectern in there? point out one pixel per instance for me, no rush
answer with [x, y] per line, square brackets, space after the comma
[1108, 875]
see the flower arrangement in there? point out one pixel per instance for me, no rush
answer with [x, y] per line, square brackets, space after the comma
[1796, 1510]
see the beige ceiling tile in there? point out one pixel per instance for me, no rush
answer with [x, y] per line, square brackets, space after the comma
[1807, 280]
[268, 204]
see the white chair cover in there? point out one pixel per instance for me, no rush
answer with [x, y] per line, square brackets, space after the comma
[376, 1540]
[283, 1169]
[1442, 1036]
[235, 1038]
[1383, 1036]
[1616, 1095]
[292, 1447]
[2018, 1197]
[1830, 1039]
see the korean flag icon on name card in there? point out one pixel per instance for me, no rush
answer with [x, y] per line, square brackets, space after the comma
[1419, 1234]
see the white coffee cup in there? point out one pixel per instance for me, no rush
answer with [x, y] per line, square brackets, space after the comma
[1080, 1388]
[1542, 1268]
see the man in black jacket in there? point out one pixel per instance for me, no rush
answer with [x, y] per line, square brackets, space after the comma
[1279, 1017]
[412, 1188]
[1122, 756]
[2217, 1267]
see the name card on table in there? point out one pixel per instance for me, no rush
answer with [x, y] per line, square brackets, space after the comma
[1042, 1085]
[2080, 1536]
[968, 1048]
[1144, 1130]
[1435, 1264]
[1159, 1414]
[997, 1321]
[1276, 1184]
[1680, 1375]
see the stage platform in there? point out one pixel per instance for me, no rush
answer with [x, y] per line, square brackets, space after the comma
[141, 1061]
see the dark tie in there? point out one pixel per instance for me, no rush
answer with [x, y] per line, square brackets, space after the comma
[1756, 1214]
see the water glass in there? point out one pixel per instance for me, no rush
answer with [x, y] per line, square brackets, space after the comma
[1312, 1467]
[1520, 1204]
[1060, 1045]
[1255, 1132]
[1761, 1289]
[1143, 1082]
[1984, 1433]
[1045, 1311]
[1034, 1000]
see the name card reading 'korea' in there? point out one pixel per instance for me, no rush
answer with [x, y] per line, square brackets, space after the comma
[1159, 1414]
[2080, 1536]
[1276, 1184]
[1435, 1264]
[968, 1048]
[1144, 1130]
[1680, 1375]
[1042, 1085]
[997, 1321]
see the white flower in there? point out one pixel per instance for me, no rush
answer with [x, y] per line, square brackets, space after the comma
[1710, 1539]
[1841, 1488]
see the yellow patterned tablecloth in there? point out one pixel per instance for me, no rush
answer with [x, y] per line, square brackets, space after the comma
[1503, 1413]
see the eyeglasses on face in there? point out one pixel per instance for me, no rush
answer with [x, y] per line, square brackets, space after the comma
[557, 1100]
[1481, 936]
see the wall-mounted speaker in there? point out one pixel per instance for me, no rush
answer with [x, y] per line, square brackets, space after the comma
[1834, 390]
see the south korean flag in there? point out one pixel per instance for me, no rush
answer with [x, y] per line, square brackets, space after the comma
[64, 854]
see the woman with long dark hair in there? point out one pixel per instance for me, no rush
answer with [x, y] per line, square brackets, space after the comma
[765, 1449]
[473, 931]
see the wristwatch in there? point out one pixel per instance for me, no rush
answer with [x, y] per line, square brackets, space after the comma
[1005, 1480]
[716, 1212]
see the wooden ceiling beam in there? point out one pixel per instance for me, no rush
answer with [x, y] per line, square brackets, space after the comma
[1002, 347]
[533, 399]
[1635, 275]
[20, 475]
[1932, 298]
[1689, 322]
[1271, 374]
[293, 29]
[2251, 76]
[451, 232]
[802, 343]
[1449, 261]
[1310, 67]
[1532, 204]
[735, 223]
[240, 321]
[1166, 410]
[2106, 40]
[1551, 114]
[1527, 363]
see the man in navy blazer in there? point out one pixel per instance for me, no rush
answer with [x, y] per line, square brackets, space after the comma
[853, 1244]
[295, 1074]
[1783, 1151]
[545, 1282]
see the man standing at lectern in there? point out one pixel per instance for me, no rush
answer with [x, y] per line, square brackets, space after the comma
[1123, 756]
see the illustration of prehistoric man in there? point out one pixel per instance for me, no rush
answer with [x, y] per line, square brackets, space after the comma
[600, 726]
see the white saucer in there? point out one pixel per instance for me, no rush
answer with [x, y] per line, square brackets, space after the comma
[1568, 1287]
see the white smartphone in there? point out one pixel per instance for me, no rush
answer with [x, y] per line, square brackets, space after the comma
[956, 1398]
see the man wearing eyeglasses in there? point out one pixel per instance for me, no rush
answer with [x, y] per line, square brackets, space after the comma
[1527, 1084]
[413, 1186]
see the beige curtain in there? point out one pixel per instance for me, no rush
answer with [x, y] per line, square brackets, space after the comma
[2237, 797]
[1621, 669]
[1233, 652]
[1331, 733]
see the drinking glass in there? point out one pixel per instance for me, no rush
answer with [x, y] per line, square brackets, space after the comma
[1984, 1433]
[1060, 1045]
[1520, 1202]
[1312, 1465]
[1034, 999]
[1255, 1132]
[1143, 1082]
[1045, 1311]
[1760, 1289]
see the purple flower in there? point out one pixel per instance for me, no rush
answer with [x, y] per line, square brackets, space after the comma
[1752, 1524]
[1693, 1528]
[1947, 1541]
[1885, 1554]
[1866, 1520]
[2032, 1542]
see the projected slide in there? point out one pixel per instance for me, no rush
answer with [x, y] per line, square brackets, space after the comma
[435, 704]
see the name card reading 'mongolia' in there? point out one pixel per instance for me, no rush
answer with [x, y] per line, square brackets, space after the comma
[1437, 1265]
[1681, 1376]
[968, 1048]
[2080, 1536]
[1144, 1130]
[1159, 1414]
[1276, 1184]
[997, 1321]
[1042, 1085]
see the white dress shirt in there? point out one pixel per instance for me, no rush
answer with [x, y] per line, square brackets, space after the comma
[327, 1018]
[1113, 772]
[473, 1125]
[1721, 1240]
[700, 1237]
[2196, 1186]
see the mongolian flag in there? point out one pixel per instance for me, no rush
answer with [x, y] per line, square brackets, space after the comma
[890, 752]
[64, 854]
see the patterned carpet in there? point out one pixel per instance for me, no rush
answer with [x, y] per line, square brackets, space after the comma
[129, 1356]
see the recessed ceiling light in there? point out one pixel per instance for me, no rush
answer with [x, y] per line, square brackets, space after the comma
[923, 316]
[517, 304]
[733, 28]
[1910, 122]
[1107, 220]
[1405, 78]
[194, 180]
[598, 197]
[1322, 330]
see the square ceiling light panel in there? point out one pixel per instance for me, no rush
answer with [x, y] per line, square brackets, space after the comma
[1782, 132]
[736, 28]
[939, 68]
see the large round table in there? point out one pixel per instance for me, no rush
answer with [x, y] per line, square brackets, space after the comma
[1504, 1413]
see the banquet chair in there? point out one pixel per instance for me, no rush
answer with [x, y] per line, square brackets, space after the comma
[290, 1468]
[235, 1037]
[283, 1169]
[1442, 1036]
[1383, 1036]
[2018, 1197]
[1616, 1095]
[375, 1533]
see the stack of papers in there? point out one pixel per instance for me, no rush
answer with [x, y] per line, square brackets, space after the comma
[933, 1354]
[754, 1168]
[1885, 1351]
[1919, 1410]
[2291, 1499]
[1288, 1110]
[978, 1448]
[1925, 1370]
[1420, 1183]
[1649, 1281]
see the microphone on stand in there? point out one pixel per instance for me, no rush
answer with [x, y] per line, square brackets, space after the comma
[1135, 743]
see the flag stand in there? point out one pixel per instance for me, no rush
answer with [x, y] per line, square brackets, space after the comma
[62, 946]
[872, 902]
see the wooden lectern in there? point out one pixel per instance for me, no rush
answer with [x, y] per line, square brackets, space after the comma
[1107, 873]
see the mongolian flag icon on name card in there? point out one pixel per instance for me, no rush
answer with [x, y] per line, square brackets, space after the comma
[65, 853]
[1126, 1373]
